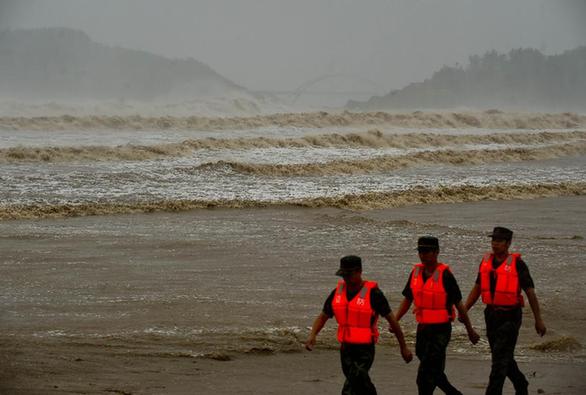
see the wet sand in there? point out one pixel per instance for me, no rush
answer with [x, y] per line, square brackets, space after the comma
[318, 372]
[48, 343]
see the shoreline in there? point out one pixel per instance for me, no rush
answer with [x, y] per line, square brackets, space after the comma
[80, 372]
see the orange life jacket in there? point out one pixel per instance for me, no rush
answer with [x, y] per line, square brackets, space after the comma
[507, 291]
[357, 321]
[430, 296]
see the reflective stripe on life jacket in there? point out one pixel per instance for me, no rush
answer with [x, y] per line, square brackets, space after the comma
[507, 291]
[357, 321]
[429, 296]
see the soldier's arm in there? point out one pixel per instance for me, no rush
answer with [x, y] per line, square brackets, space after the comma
[403, 308]
[395, 328]
[317, 326]
[472, 297]
[463, 318]
[534, 303]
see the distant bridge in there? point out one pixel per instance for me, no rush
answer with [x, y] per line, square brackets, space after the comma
[304, 89]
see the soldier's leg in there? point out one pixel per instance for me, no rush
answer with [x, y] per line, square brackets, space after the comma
[502, 334]
[356, 363]
[518, 379]
[346, 360]
[444, 384]
[441, 339]
[498, 371]
[513, 373]
[447, 387]
[426, 377]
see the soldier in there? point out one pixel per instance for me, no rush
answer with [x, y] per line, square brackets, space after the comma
[433, 289]
[501, 277]
[356, 304]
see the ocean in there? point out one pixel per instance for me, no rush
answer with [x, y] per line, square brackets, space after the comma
[219, 237]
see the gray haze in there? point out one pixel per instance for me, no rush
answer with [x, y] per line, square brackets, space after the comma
[282, 44]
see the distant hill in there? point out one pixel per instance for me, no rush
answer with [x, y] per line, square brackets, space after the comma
[524, 79]
[60, 63]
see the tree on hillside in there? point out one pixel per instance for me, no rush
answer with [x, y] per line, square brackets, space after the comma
[522, 79]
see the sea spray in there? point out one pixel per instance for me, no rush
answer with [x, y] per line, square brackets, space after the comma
[322, 119]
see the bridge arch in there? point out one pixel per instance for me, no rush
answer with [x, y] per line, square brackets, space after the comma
[376, 88]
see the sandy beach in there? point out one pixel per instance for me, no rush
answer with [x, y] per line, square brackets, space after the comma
[162, 309]
[299, 373]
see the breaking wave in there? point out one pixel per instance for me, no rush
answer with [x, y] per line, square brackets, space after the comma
[386, 163]
[221, 344]
[564, 343]
[369, 139]
[488, 119]
[372, 200]
[230, 104]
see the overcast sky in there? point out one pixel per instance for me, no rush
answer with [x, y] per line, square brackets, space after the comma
[282, 44]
